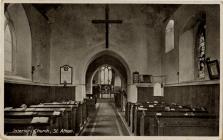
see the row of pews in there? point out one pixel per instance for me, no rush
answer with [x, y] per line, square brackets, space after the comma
[118, 99]
[46, 119]
[158, 118]
[90, 105]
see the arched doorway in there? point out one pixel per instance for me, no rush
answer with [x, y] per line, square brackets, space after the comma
[117, 79]
[106, 81]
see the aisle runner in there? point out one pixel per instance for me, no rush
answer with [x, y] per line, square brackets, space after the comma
[105, 123]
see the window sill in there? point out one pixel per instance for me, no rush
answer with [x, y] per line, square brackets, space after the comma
[16, 79]
[190, 83]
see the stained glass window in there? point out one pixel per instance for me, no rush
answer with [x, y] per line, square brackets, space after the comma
[201, 43]
[106, 74]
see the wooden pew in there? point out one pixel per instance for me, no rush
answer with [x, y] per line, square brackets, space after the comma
[178, 124]
[90, 105]
[137, 115]
[155, 106]
[59, 122]
[55, 115]
[27, 126]
[76, 115]
[52, 115]
[17, 127]
[71, 102]
[79, 121]
[132, 116]
[118, 99]
[84, 112]
[127, 112]
[137, 112]
[69, 117]
[80, 115]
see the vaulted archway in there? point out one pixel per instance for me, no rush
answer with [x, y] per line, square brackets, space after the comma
[111, 59]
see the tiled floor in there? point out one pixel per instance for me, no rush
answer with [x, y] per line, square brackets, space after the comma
[105, 122]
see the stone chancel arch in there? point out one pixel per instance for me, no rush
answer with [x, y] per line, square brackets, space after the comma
[109, 59]
[105, 53]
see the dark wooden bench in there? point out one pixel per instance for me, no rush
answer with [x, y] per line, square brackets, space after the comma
[178, 124]
[26, 126]
[69, 117]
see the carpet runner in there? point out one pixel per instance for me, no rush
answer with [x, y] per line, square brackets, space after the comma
[105, 121]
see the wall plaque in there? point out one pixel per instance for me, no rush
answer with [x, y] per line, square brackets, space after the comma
[213, 69]
[66, 74]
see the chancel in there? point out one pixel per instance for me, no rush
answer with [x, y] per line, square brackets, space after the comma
[111, 70]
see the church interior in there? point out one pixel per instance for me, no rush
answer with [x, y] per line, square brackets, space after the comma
[111, 69]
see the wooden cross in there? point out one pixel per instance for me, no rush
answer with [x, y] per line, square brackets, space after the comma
[106, 21]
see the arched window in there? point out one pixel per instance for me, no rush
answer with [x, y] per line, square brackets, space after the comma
[201, 48]
[106, 74]
[8, 45]
[17, 44]
[169, 36]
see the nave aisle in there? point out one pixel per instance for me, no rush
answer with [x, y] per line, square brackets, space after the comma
[105, 122]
